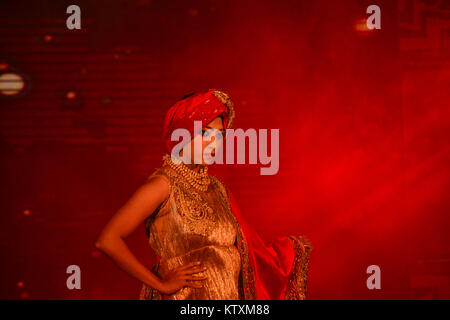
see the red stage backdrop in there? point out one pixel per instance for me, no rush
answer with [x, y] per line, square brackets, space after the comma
[363, 115]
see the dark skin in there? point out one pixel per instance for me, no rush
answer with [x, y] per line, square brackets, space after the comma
[127, 219]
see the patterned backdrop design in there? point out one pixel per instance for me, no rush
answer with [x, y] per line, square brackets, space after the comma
[425, 55]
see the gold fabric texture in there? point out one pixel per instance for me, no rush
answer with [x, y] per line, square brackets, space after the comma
[298, 278]
[192, 225]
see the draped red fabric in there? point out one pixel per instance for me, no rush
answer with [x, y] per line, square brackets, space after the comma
[271, 263]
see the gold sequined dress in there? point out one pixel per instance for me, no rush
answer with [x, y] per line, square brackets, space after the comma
[192, 225]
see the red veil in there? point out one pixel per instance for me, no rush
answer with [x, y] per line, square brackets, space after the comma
[270, 272]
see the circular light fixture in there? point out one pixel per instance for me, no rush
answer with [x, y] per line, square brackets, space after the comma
[71, 95]
[48, 38]
[11, 84]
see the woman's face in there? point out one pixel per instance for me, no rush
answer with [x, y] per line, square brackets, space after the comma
[211, 140]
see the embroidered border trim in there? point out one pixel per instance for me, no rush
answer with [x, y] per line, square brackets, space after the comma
[297, 281]
[226, 100]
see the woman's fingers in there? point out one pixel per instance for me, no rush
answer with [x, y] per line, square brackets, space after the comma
[195, 269]
[194, 278]
[193, 284]
[189, 265]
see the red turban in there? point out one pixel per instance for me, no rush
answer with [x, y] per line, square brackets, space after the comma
[204, 106]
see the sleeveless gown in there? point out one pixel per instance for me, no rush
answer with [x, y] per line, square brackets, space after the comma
[192, 225]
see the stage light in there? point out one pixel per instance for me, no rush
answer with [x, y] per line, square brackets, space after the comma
[71, 98]
[26, 212]
[24, 295]
[3, 66]
[48, 38]
[71, 95]
[20, 284]
[95, 254]
[11, 84]
[361, 26]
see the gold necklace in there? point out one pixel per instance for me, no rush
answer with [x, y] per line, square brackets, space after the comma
[199, 180]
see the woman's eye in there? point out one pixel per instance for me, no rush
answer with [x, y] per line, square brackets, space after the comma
[218, 134]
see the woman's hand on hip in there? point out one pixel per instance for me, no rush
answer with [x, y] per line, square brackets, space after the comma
[183, 276]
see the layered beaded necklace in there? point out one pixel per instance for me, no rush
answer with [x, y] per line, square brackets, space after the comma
[199, 180]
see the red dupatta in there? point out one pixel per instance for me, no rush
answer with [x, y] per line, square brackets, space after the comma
[269, 272]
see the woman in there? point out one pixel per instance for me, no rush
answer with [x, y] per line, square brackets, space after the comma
[204, 247]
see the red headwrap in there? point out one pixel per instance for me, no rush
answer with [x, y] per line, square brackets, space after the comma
[204, 106]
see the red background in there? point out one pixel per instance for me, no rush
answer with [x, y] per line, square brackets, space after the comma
[364, 128]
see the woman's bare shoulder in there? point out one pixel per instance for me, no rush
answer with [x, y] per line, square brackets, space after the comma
[163, 172]
[158, 184]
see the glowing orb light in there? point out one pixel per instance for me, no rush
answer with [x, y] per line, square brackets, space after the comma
[11, 84]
